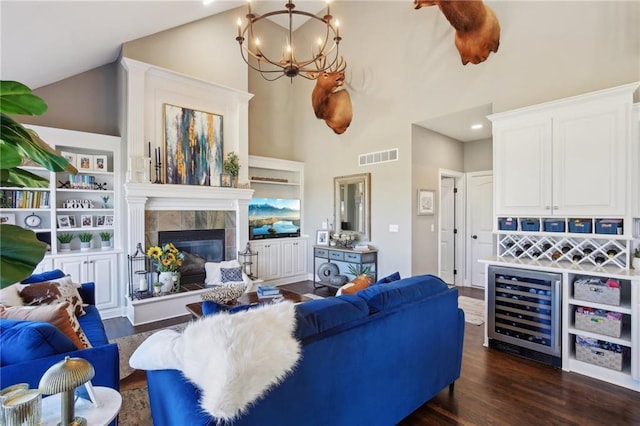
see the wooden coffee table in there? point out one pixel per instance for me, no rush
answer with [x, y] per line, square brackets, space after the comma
[195, 309]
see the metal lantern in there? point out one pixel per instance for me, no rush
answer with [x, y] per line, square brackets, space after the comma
[140, 274]
[246, 259]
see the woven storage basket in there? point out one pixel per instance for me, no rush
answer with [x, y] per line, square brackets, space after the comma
[596, 293]
[599, 356]
[598, 324]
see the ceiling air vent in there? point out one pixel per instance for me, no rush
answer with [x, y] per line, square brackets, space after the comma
[378, 157]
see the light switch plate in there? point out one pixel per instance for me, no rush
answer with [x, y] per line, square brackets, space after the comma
[393, 228]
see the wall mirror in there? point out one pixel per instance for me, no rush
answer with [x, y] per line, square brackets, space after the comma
[352, 204]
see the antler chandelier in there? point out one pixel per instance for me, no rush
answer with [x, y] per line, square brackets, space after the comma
[324, 54]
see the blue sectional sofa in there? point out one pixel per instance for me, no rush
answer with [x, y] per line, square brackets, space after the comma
[367, 359]
[29, 348]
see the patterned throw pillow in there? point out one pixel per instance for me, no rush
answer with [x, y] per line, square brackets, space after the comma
[51, 292]
[231, 274]
[60, 315]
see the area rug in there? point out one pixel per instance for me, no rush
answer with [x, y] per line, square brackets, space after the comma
[473, 309]
[135, 401]
[312, 296]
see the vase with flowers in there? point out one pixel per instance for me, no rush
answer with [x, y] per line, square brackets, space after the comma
[166, 259]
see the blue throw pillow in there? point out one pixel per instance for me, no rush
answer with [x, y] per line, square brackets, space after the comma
[27, 340]
[231, 274]
[45, 276]
[389, 279]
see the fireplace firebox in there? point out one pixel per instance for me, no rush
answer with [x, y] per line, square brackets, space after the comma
[199, 246]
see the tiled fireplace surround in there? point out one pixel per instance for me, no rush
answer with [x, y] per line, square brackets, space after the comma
[189, 220]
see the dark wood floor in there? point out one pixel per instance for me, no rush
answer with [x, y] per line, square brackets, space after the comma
[497, 388]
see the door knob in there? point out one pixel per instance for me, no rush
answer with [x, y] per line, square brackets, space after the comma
[475, 237]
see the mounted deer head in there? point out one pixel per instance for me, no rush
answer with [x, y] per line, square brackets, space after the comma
[330, 101]
[477, 27]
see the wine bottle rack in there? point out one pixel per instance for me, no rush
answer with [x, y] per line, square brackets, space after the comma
[589, 251]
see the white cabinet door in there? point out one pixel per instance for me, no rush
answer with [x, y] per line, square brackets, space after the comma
[268, 259]
[294, 257]
[76, 266]
[46, 264]
[589, 161]
[101, 269]
[103, 272]
[522, 167]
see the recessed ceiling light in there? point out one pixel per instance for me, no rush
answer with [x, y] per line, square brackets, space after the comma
[206, 2]
[476, 126]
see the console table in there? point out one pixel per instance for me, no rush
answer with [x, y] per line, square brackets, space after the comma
[340, 259]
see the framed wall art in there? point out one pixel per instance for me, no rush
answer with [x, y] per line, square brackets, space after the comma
[86, 221]
[426, 202]
[84, 162]
[63, 221]
[322, 237]
[100, 163]
[193, 146]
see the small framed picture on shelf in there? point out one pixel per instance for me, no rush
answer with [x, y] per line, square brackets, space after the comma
[85, 163]
[322, 237]
[108, 220]
[100, 163]
[7, 219]
[70, 157]
[63, 221]
[225, 180]
[100, 221]
[72, 221]
[86, 221]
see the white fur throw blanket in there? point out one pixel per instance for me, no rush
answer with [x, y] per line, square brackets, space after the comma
[233, 358]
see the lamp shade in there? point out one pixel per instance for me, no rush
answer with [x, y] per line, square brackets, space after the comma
[66, 375]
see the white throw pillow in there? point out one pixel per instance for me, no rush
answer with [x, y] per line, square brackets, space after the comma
[161, 351]
[212, 270]
[9, 295]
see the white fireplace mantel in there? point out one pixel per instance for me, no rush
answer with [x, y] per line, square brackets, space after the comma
[187, 197]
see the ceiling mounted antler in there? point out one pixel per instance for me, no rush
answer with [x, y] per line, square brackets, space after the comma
[477, 27]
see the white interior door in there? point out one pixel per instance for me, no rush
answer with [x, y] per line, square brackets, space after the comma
[447, 227]
[480, 223]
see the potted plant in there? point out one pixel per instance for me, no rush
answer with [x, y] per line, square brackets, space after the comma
[85, 240]
[65, 239]
[231, 165]
[635, 261]
[105, 240]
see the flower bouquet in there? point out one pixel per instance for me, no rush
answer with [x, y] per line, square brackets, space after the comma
[166, 258]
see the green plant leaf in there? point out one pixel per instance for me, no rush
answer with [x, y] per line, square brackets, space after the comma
[22, 179]
[21, 253]
[29, 145]
[9, 156]
[16, 98]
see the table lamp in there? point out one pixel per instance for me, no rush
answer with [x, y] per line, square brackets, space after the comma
[63, 377]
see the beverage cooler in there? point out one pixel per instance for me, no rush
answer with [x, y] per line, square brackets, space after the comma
[524, 313]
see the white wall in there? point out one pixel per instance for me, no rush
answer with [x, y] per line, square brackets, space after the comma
[404, 68]
[205, 49]
[478, 155]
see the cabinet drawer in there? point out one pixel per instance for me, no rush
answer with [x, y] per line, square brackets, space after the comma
[352, 257]
[321, 253]
[336, 255]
